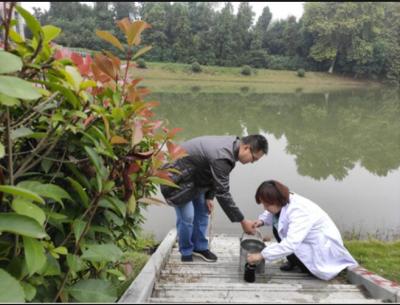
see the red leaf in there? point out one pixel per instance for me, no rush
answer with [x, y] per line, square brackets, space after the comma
[88, 120]
[176, 151]
[62, 53]
[124, 24]
[132, 94]
[164, 174]
[133, 168]
[106, 103]
[106, 65]
[128, 187]
[143, 155]
[136, 81]
[138, 135]
[157, 124]
[118, 140]
[77, 59]
[172, 133]
[146, 113]
[99, 75]
[152, 104]
[143, 91]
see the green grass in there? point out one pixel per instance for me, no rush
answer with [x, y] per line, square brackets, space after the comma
[382, 258]
[135, 260]
[175, 77]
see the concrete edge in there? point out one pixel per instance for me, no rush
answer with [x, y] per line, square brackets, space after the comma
[142, 287]
[377, 286]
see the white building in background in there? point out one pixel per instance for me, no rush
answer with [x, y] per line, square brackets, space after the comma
[19, 28]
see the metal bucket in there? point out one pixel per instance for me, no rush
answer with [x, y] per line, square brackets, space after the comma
[251, 244]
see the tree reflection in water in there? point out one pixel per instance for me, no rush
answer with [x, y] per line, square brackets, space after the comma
[327, 133]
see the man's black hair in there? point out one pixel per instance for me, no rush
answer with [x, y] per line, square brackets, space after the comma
[257, 143]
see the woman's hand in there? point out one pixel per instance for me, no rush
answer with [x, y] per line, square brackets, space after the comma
[254, 258]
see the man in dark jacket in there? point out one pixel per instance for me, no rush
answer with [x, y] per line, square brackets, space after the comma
[203, 175]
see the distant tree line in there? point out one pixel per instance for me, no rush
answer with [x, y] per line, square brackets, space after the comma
[360, 39]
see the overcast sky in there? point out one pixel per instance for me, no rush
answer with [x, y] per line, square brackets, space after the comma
[279, 10]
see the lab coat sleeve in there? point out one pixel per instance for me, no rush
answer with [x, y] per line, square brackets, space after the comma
[266, 218]
[300, 223]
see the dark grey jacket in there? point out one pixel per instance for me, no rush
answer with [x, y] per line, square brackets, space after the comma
[206, 168]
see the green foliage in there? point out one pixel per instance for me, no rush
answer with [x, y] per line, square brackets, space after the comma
[93, 290]
[246, 70]
[11, 290]
[196, 68]
[141, 63]
[301, 73]
[256, 58]
[80, 157]
[358, 39]
[280, 62]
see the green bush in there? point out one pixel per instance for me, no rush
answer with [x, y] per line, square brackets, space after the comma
[301, 73]
[281, 62]
[196, 68]
[84, 163]
[256, 58]
[141, 63]
[246, 70]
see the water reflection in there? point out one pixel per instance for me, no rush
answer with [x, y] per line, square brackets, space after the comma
[341, 150]
[327, 133]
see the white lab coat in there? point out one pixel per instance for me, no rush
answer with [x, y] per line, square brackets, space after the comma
[308, 232]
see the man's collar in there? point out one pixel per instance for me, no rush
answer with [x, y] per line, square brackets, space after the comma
[236, 146]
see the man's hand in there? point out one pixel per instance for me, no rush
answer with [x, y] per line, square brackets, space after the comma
[210, 205]
[248, 226]
[254, 258]
[258, 223]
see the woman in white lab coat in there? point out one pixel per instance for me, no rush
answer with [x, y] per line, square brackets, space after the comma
[304, 230]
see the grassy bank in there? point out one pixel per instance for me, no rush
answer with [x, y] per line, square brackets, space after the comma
[135, 261]
[174, 77]
[377, 256]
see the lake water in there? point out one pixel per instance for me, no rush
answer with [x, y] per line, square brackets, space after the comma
[339, 149]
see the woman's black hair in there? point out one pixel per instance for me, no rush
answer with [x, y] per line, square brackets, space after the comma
[272, 192]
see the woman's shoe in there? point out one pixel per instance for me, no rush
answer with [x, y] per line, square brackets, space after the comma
[288, 266]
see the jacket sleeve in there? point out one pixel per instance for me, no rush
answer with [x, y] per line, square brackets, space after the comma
[300, 224]
[210, 194]
[266, 218]
[220, 170]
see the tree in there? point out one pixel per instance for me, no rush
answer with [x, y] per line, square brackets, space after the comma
[223, 37]
[343, 30]
[274, 40]
[260, 30]
[125, 9]
[202, 22]
[390, 40]
[179, 34]
[242, 25]
[291, 36]
[156, 14]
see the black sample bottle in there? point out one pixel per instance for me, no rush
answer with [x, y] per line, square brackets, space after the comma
[249, 273]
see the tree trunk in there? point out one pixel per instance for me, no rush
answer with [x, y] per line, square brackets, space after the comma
[330, 71]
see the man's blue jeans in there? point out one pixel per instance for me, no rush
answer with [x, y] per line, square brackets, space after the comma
[191, 225]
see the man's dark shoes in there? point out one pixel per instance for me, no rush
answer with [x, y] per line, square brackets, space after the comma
[207, 255]
[186, 258]
[288, 266]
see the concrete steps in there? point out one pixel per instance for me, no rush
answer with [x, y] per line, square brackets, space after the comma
[222, 282]
[256, 301]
